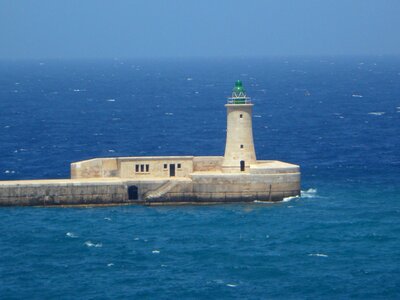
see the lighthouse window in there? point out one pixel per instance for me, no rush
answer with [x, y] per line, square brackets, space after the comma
[241, 146]
[179, 166]
[241, 115]
[141, 168]
[147, 168]
[137, 168]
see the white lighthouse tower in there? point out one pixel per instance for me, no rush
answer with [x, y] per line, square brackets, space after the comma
[239, 148]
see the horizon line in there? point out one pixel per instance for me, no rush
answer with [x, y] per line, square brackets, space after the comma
[239, 57]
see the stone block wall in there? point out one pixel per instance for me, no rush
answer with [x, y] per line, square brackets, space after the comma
[95, 168]
[207, 163]
[62, 194]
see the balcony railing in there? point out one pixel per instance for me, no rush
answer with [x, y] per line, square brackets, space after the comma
[241, 100]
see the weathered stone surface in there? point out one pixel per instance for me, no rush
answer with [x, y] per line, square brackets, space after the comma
[239, 137]
[197, 187]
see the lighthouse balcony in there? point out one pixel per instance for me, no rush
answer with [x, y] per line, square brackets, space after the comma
[239, 100]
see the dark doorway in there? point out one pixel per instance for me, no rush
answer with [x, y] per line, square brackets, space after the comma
[172, 170]
[242, 166]
[132, 192]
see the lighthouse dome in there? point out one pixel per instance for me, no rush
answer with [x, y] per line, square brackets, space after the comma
[238, 89]
[239, 94]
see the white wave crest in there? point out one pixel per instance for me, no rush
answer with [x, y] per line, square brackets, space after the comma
[376, 113]
[71, 235]
[259, 201]
[318, 254]
[287, 199]
[155, 251]
[231, 285]
[90, 244]
[310, 193]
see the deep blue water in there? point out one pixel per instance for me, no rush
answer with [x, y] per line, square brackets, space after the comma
[339, 118]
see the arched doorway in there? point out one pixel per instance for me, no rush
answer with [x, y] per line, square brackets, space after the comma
[133, 192]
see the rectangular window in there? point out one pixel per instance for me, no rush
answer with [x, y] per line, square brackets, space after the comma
[179, 166]
[165, 166]
[241, 116]
[145, 168]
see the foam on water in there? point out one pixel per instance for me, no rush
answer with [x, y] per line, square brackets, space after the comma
[71, 235]
[95, 245]
[318, 254]
[376, 113]
[310, 193]
[287, 199]
[260, 201]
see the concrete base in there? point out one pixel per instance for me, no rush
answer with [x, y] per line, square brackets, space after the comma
[266, 181]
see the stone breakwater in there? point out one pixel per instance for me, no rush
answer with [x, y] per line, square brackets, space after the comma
[61, 192]
[200, 189]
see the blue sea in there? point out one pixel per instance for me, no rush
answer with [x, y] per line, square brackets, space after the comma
[337, 117]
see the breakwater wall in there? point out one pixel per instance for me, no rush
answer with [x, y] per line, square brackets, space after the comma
[46, 193]
[200, 189]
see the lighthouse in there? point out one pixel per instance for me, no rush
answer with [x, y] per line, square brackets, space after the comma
[235, 177]
[239, 148]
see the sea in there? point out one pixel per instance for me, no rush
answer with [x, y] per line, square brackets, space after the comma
[337, 117]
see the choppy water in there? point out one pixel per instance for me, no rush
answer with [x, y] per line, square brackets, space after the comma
[336, 117]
